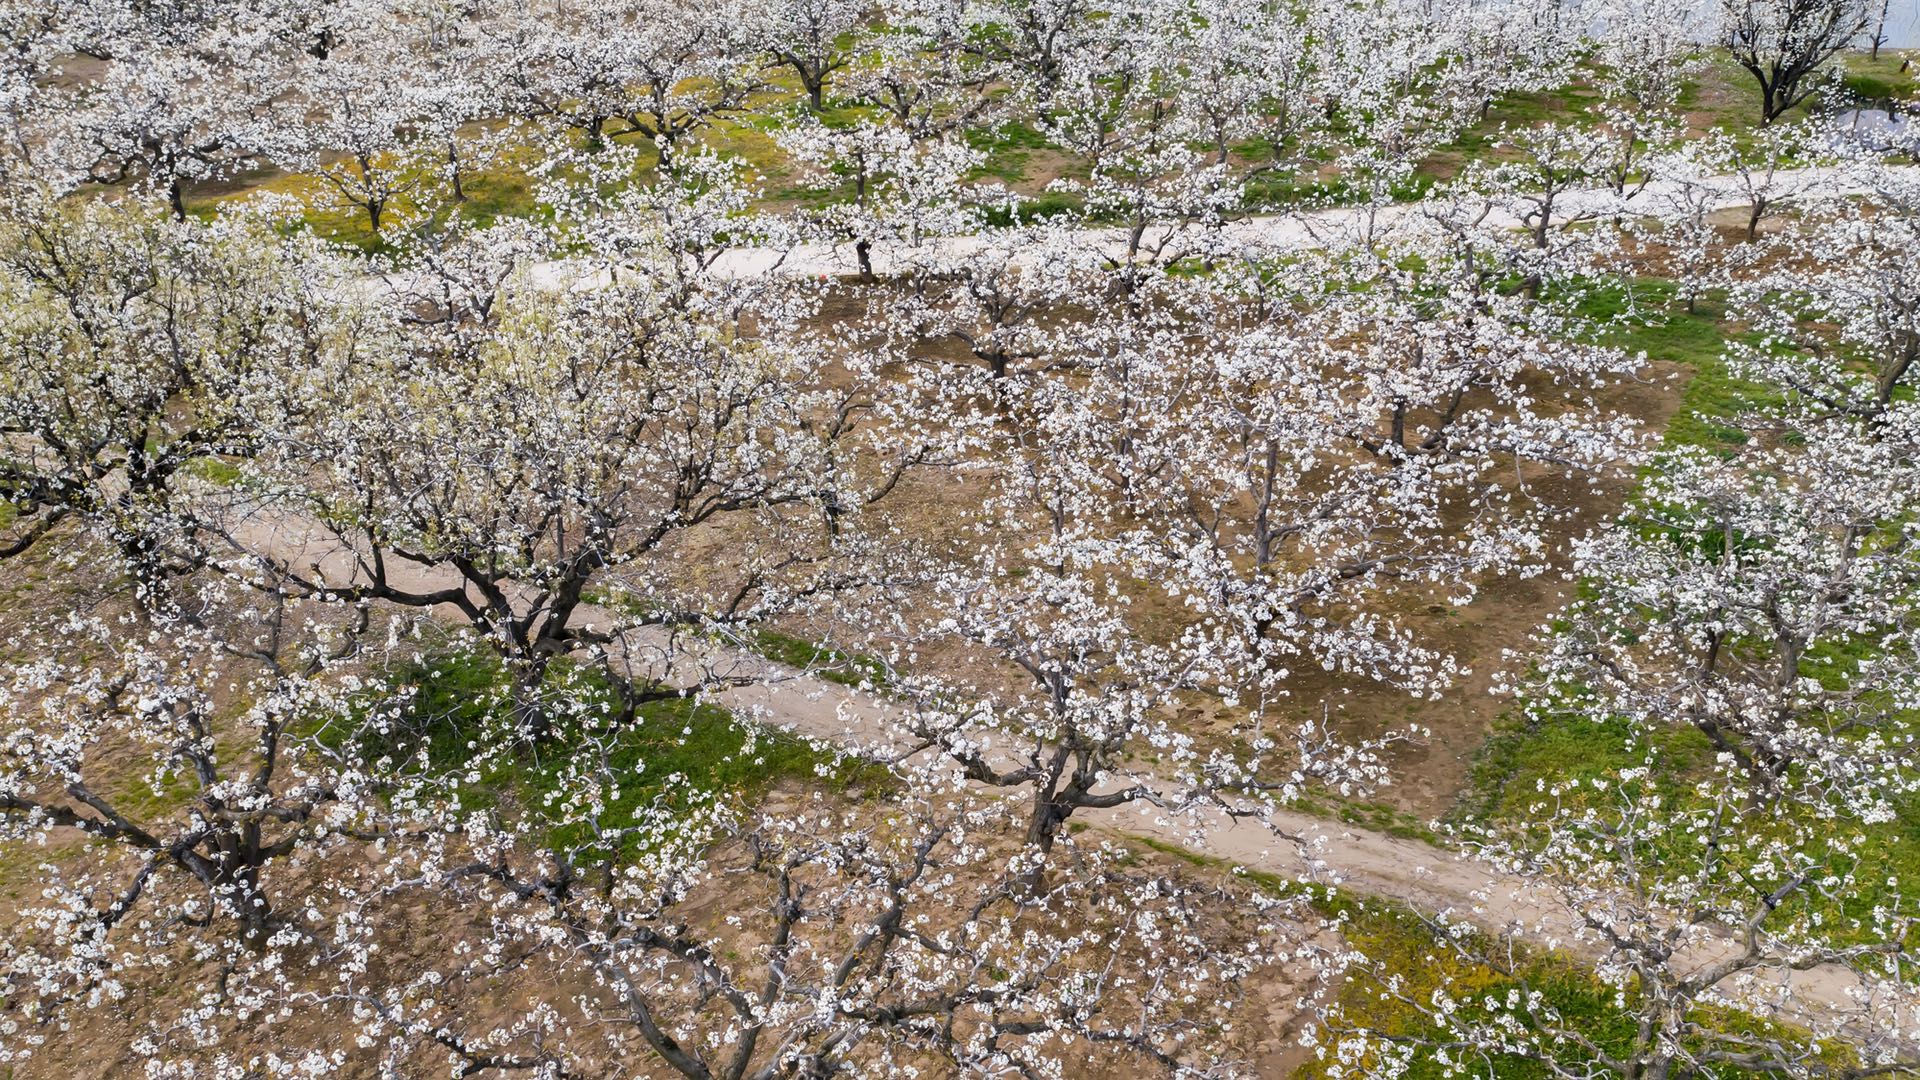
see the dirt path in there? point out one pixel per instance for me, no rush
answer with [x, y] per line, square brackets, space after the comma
[1289, 844]
[1274, 233]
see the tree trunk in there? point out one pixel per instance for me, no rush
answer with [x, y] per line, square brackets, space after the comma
[235, 871]
[256, 916]
[1043, 826]
[1891, 377]
[531, 720]
[145, 493]
[453, 172]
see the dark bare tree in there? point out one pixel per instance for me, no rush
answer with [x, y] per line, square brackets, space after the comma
[1784, 44]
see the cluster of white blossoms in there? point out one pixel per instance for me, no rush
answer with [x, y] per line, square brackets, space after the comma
[415, 622]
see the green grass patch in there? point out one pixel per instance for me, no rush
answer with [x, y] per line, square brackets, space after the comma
[1879, 80]
[818, 659]
[1394, 940]
[1653, 320]
[496, 194]
[1372, 816]
[1556, 746]
[215, 470]
[457, 726]
[1041, 207]
[1009, 148]
[1721, 96]
[1532, 747]
[1270, 883]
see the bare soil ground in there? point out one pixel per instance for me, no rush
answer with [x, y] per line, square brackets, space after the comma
[1490, 637]
[1256, 1021]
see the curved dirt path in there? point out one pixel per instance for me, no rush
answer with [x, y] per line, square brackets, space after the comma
[1290, 844]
